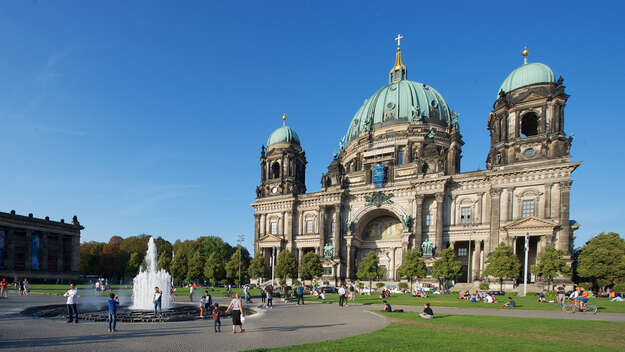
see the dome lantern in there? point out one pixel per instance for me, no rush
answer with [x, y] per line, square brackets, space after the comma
[398, 72]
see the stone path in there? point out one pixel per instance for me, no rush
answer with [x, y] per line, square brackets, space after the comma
[283, 325]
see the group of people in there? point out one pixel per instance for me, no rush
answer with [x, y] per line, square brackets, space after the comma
[100, 285]
[479, 296]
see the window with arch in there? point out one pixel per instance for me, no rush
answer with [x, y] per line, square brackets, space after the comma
[529, 124]
[275, 170]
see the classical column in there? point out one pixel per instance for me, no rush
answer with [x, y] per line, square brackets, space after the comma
[288, 224]
[440, 197]
[495, 198]
[263, 220]
[75, 253]
[548, 201]
[322, 222]
[478, 219]
[300, 222]
[256, 227]
[417, 226]
[281, 225]
[392, 264]
[510, 205]
[43, 249]
[337, 230]
[28, 260]
[475, 260]
[59, 258]
[300, 259]
[348, 274]
[564, 237]
[11, 248]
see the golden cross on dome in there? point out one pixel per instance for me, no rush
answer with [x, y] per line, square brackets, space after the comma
[399, 38]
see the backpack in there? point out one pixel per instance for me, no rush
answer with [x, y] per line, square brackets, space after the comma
[216, 313]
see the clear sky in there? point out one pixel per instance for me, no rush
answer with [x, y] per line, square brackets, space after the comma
[148, 116]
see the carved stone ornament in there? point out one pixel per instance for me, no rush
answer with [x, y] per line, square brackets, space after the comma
[378, 198]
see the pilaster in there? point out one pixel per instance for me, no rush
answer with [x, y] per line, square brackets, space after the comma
[495, 198]
[440, 197]
[564, 235]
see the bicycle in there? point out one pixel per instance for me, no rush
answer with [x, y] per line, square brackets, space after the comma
[574, 308]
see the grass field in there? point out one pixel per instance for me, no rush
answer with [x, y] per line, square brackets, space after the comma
[408, 332]
[530, 302]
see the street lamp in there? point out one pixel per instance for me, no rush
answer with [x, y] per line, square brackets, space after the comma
[469, 224]
[240, 240]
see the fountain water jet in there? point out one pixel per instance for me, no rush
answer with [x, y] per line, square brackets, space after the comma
[145, 281]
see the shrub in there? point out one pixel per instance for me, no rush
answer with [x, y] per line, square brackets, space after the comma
[403, 285]
[619, 287]
[379, 284]
[484, 286]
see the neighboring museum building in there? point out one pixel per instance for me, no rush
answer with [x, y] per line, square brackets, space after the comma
[396, 182]
[40, 249]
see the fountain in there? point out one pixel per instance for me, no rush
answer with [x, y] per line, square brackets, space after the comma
[146, 280]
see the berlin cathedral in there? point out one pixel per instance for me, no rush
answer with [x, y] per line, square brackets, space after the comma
[395, 183]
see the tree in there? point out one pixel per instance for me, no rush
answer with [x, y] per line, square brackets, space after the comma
[164, 248]
[214, 268]
[502, 264]
[258, 267]
[178, 267]
[195, 271]
[286, 266]
[369, 268]
[602, 259]
[446, 267]
[550, 264]
[232, 267]
[413, 266]
[311, 267]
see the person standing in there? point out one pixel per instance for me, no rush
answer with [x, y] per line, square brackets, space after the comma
[112, 303]
[172, 293]
[300, 293]
[238, 315]
[202, 306]
[26, 287]
[190, 292]
[216, 317]
[4, 288]
[156, 299]
[352, 293]
[561, 295]
[341, 295]
[269, 289]
[21, 283]
[246, 293]
[263, 295]
[208, 301]
[72, 299]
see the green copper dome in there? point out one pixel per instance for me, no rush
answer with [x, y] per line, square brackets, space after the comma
[284, 134]
[400, 101]
[527, 74]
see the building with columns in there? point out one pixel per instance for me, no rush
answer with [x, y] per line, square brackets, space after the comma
[40, 249]
[396, 183]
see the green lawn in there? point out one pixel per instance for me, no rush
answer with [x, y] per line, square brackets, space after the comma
[408, 332]
[530, 302]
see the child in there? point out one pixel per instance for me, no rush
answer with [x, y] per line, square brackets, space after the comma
[217, 317]
[202, 306]
[112, 305]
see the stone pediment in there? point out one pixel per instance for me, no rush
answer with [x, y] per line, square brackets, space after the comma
[531, 224]
[270, 239]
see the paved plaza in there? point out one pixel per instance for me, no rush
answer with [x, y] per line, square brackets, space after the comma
[283, 325]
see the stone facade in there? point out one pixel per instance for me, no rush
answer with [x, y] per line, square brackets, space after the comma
[39, 248]
[398, 184]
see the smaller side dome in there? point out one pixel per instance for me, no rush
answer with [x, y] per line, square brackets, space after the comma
[526, 75]
[284, 134]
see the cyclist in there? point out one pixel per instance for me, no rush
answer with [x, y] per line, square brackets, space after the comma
[582, 298]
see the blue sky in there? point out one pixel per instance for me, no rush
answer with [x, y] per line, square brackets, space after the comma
[148, 117]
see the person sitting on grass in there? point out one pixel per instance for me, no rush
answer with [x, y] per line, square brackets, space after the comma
[488, 298]
[387, 307]
[510, 303]
[541, 297]
[427, 312]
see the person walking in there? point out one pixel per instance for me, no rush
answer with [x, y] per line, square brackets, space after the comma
[26, 287]
[4, 288]
[156, 299]
[172, 293]
[238, 315]
[352, 293]
[21, 290]
[72, 299]
[300, 293]
[263, 295]
[112, 305]
[216, 317]
[341, 295]
[269, 289]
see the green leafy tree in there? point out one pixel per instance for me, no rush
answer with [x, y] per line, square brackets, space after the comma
[502, 264]
[446, 268]
[232, 266]
[413, 266]
[551, 264]
[179, 265]
[164, 248]
[258, 267]
[602, 259]
[311, 266]
[403, 285]
[286, 266]
[214, 268]
[195, 271]
[369, 268]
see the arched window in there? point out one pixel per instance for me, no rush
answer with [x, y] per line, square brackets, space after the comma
[275, 170]
[529, 124]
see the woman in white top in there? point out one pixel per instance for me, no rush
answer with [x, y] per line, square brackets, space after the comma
[236, 306]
